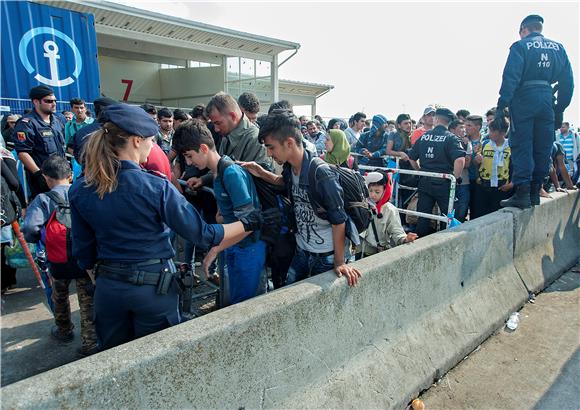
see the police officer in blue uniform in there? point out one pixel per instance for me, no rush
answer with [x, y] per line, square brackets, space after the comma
[438, 150]
[533, 65]
[39, 135]
[121, 220]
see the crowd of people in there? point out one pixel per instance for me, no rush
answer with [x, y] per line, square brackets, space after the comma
[276, 197]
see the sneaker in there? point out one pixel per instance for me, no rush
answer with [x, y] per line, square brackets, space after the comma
[61, 336]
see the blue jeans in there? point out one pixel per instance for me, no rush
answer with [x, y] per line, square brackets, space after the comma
[305, 264]
[245, 267]
[461, 202]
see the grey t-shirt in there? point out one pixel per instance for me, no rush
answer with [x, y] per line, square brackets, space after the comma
[313, 234]
[465, 172]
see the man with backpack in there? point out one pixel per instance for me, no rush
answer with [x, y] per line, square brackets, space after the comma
[236, 197]
[48, 221]
[323, 228]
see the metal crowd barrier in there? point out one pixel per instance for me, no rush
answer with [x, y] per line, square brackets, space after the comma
[442, 218]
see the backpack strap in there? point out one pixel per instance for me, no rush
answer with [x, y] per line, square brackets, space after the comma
[57, 198]
[315, 199]
[223, 164]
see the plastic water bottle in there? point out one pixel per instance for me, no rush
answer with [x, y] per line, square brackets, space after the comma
[513, 321]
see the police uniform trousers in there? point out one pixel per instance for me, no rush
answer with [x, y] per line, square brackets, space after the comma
[532, 134]
[431, 191]
[37, 185]
[125, 311]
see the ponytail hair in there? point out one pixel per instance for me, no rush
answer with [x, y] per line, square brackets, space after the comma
[101, 159]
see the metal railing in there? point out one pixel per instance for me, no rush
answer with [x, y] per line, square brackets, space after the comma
[447, 219]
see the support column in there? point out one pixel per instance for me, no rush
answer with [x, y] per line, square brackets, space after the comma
[274, 79]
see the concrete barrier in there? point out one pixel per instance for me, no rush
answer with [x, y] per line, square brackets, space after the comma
[546, 239]
[419, 309]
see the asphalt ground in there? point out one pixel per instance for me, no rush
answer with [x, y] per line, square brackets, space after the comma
[537, 366]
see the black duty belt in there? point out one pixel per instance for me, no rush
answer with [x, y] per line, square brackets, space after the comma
[535, 82]
[121, 265]
[133, 273]
[138, 277]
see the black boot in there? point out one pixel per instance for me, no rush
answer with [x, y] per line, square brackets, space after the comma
[535, 193]
[520, 199]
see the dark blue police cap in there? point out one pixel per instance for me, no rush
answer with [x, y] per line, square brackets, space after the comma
[532, 18]
[41, 91]
[132, 120]
[445, 113]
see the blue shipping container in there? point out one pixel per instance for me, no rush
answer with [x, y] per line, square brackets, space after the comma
[50, 46]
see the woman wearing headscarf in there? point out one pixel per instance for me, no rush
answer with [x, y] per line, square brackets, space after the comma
[338, 150]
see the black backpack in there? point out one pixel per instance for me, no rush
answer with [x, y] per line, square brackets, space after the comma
[9, 202]
[355, 191]
[270, 196]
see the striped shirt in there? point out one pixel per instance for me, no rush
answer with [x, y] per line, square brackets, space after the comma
[567, 142]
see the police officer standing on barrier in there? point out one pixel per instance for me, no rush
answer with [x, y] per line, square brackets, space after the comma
[39, 135]
[533, 65]
[121, 220]
[438, 150]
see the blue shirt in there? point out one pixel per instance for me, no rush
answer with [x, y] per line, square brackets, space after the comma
[132, 223]
[236, 196]
[38, 138]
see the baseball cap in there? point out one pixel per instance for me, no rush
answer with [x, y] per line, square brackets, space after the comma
[428, 110]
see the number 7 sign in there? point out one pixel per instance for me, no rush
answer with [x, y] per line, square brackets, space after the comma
[128, 89]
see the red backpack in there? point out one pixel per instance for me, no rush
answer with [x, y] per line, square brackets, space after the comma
[58, 236]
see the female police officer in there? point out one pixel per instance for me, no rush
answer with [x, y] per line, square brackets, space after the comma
[121, 217]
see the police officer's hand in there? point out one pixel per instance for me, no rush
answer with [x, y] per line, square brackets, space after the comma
[478, 159]
[351, 273]
[194, 183]
[558, 119]
[500, 116]
[271, 225]
[404, 157]
[37, 177]
[252, 221]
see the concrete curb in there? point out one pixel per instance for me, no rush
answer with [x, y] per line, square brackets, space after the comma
[419, 309]
[546, 239]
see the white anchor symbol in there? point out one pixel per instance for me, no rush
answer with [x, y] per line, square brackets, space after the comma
[51, 52]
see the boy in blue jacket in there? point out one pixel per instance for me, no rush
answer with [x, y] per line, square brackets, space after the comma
[57, 173]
